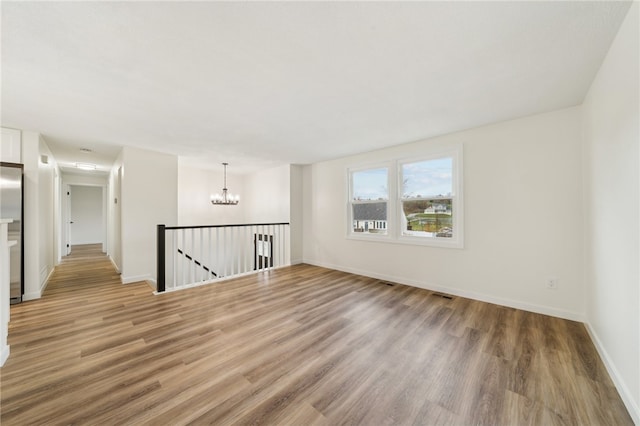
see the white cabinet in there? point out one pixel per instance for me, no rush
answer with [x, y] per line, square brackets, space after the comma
[4, 289]
[10, 146]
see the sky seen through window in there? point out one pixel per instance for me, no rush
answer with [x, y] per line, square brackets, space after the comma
[370, 184]
[420, 179]
[428, 178]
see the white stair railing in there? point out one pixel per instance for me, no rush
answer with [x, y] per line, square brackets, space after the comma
[196, 255]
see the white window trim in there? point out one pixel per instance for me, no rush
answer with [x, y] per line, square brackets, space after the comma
[457, 241]
[394, 202]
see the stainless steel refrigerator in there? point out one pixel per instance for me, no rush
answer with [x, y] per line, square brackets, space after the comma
[12, 207]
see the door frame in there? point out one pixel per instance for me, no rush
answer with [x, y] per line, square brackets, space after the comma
[66, 216]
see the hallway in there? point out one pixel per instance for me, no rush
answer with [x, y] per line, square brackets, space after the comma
[63, 345]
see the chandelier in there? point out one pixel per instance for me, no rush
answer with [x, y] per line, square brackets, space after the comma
[226, 199]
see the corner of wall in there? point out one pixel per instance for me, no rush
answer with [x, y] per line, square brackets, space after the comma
[617, 377]
[296, 213]
[30, 159]
[45, 274]
[611, 131]
[34, 295]
[4, 354]
[136, 278]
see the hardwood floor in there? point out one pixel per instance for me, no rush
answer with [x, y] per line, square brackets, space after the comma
[302, 345]
[83, 252]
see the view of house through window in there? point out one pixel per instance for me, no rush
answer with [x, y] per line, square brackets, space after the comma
[369, 196]
[411, 201]
[427, 198]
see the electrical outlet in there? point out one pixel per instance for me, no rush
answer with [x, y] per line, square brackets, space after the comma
[552, 283]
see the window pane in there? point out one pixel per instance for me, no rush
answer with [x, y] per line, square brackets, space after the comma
[427, 198]
[428, 218]
[429, 178]
[369, 217]
[370, 185]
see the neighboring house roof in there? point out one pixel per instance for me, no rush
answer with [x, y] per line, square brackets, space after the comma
[370, 211]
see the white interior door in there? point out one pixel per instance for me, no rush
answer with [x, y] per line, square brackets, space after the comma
[87, 211]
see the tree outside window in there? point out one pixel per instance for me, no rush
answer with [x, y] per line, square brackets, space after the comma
[427, 198]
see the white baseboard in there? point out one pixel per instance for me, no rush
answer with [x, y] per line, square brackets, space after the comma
[114, 264]
[618, 380]
[135, 279]
[45, 283]
[31, 296]
[545, 310]
[4, 355]
[44, 274]
[153, 283]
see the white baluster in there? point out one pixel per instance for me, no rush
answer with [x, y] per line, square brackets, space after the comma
[209, 255]
[239, 249]
[232, 231]
[285, 241]
[225, 242]
[183, 258]
[280, 238]
[243, 251]
[174, 250]
[218, 252]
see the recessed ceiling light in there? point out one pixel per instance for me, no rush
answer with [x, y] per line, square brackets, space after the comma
[86, 150]
[86, 166]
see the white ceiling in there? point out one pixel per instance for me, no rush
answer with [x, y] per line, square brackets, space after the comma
[261, 84]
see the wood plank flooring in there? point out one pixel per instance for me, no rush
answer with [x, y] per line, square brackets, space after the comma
[301, 346]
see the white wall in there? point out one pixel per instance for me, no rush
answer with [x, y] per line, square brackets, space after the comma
[266, 195]
[30, 159]
[40, 210]
[195, 187]
[523, 218]
[611, 160]
[296, 212]
[48, 209]
[274, 196]
[149, 197]
[86, 214]
[57, 215]
[114, 213]
[85, 179]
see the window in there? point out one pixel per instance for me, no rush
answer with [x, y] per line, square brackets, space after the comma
[369, 195]
[428, 198]
[413, 201]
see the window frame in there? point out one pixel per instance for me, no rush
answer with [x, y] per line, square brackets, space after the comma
[351, 234]
[457, 203]
[394, 231]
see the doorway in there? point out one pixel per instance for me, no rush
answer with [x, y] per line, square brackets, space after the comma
[86, 216]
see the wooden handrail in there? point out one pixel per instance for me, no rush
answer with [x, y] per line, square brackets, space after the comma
[224, 226]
